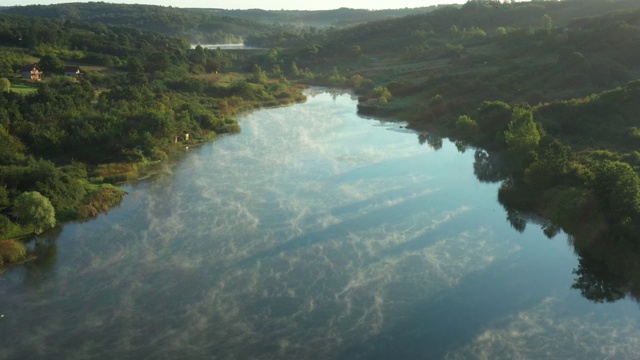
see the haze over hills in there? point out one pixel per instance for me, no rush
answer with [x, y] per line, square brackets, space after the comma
[319, 18]
[206, 25]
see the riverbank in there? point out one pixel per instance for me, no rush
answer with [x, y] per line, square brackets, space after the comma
[92, 190]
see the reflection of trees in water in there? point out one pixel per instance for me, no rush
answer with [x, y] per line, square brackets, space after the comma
[516, 221]
[434, 141]
[45, 250]
[609, 266]
[488, 168]
[608, 269]
[596, 282]
[609, 263]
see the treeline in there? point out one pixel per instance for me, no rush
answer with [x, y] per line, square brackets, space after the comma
[196, 26]
[83, 41]
[318, 18]
[64, 144]
[385, 36]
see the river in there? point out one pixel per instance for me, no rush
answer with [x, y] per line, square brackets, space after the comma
[312, 234]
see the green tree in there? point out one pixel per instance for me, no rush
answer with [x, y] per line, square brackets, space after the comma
[11, 149]
[522, 136]
[617, 187]
[51, 63]
[550, 168]
[382, 93]
[33, 209]
[159, 61]
[5, 85]
[466, 126]
[136, 74]
[546, 23]
[493, 117]
[356, 51]
[356, 81]
[294, 70]
[4, 198]
[258, 76]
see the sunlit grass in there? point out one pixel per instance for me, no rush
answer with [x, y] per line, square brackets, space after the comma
[23, 88]
[222, 79]
[11, 251]
[100, 198]
[117, 172]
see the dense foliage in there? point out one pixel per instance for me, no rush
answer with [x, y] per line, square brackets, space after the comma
[318, 18]
[196, 26]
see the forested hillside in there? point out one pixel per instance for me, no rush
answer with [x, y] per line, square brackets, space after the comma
[318, 18]
[198, 27]
[208, 26]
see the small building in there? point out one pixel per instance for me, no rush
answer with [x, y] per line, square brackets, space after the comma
[31, 72]
[185, 137]
[72, 70]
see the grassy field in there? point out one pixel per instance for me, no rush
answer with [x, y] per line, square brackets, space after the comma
[96, 68]
[23, 88]
[222, 79]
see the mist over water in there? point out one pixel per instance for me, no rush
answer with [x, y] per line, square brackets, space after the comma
[313, 234]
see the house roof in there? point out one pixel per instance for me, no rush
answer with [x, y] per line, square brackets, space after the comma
[71, 68]
[30, 67]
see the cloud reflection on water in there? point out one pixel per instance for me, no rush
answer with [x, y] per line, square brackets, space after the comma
[309, 234]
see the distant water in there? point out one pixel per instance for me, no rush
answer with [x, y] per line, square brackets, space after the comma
[312, 234]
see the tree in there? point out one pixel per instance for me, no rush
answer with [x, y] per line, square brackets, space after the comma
[33, 209]
[11, 251]
[546, 23]
[617, 187]
[159, 61]
[136, 74]
[10, 147]
[295, 71]
[466, 126]
[551, 166]
[493, 116]
[51, 63]
[382, 93]
[522, 136]
[4, 198]
[5, 85]
[258, 76]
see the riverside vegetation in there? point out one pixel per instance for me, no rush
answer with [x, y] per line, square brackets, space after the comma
[142, 96]
[545, 92]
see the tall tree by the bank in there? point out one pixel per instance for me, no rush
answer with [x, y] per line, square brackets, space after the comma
[33, 209]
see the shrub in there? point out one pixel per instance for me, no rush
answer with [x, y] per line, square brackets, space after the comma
[465, 126]
[11, 251]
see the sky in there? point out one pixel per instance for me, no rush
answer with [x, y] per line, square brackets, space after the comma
[261, 4]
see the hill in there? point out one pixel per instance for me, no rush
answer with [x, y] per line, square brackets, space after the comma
[206, 26]
[318, 18]
[196, 26]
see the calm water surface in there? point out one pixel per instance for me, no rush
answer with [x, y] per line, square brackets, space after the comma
[313, 234]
